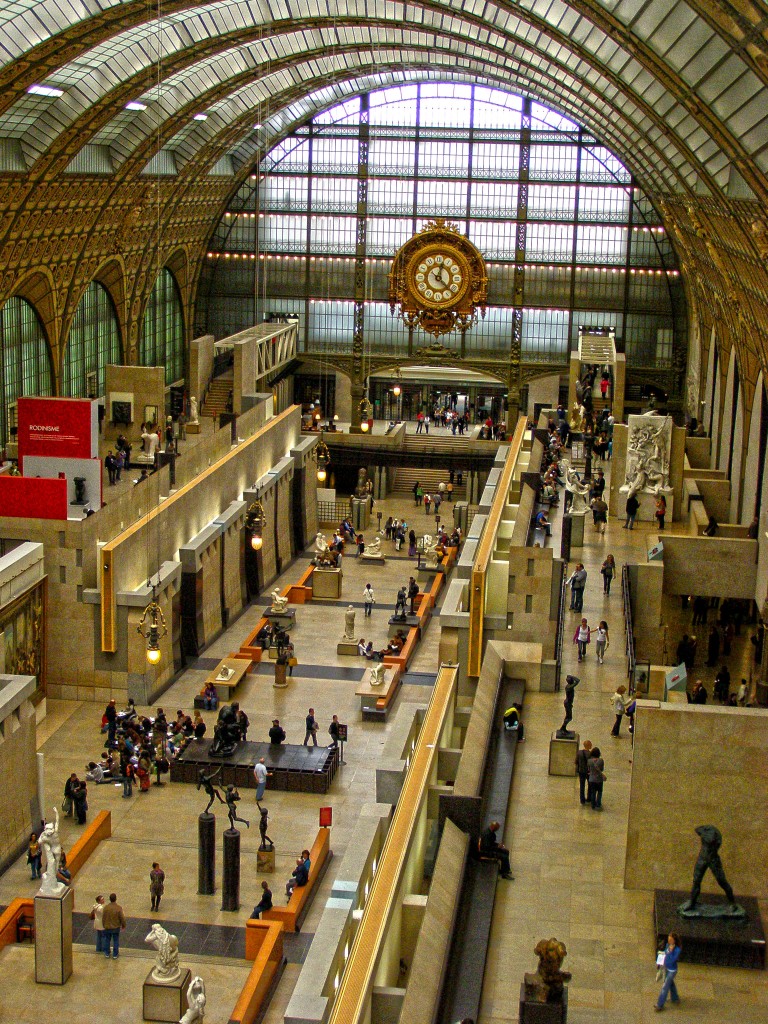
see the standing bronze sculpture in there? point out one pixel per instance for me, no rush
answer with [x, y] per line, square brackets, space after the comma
[709, 859]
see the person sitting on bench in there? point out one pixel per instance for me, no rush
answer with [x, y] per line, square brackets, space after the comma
[264, 636]
[512, 722]
[491, 849]
[300, 875]
[543, 523]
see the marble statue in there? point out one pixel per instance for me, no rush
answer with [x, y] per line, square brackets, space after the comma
[193, 410]
[279, 604]
[362, 490]
[321, 544]
[195, 1002]
[51, 844]
[433, 554]
[150, 441]
[166, 969]
[349, 623]
[709, 860]
[377, 673]
[579, 491]
[426, 541]
[647, 455]
[546, 985]
[373, 549]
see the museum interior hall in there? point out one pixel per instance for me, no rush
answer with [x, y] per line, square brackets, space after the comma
[383, 431]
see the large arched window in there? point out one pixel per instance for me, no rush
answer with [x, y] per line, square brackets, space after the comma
[162, 335]
[25, 368]
[93, 342]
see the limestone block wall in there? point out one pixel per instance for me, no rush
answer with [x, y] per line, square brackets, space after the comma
[233, 554]
[146, 384]
[529, 597]
[710, 566]
[19, 809]
[646, 584]
[678, 784]
[210, 568]
[200, 364]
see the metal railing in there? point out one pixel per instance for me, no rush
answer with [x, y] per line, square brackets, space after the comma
[629, 643]
[333, 511]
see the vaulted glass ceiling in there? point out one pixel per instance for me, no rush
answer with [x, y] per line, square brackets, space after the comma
[677, 89]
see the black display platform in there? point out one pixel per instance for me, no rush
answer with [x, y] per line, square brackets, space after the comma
[532, 1012]
[722, 942]
[292, 767]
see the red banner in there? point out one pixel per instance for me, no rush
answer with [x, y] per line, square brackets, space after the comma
[33, 497]
[64, 428]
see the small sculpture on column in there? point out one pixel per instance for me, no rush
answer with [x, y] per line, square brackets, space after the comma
[51, 844]
[206, 782]
[349, 623]
[709, 860]
[266, 842]
[195, 1002]
[166, 969]
[193, 410]
[232, 798]
[279, 604]
[377, 673]
[564, 733]
[546, 985]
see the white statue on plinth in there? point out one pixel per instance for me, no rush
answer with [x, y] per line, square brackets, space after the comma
[647, 455]
[193, 410]
[373, 549]
[279, 604]
[579, 491]
[166, 969]
[195, 1001]
[51, 844]
[433, 553]
[377, 673]
[321, 544]
[578, 417]
[349, 623]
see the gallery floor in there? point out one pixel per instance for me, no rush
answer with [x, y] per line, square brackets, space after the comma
[568, 860]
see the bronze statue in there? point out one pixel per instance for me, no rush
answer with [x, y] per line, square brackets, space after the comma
[226, 732]
[546, 985]
[361, 491]
[709, 859]
[564, 733]
[266, 842]
[206, 782]
[232, 797]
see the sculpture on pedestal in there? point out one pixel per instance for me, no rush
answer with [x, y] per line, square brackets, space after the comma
[279, 604]
[577, 421]
[232, 797]
[400, 604]
[362, 490]
[377, 673]
[373, 548]
[206, 782]
[647, 455]
[166, 969]
[193, 410]
[579, 491]
[349, 623]
[709, 860]
[432, 554]
[266, 842]
[195, 1002]
[321, 544]
[226, 732]
[564, 733]
[51, 844]
[546, 985]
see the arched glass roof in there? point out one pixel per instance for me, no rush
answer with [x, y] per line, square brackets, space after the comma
[677, 89]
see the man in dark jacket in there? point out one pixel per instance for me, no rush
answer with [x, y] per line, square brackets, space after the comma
[110, 714]
[490, 847]
[277, 732]
[300, 874]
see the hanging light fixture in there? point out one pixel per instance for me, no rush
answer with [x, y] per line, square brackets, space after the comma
[254, 523]
[366, 411]
[153, 628]
[322, 458]
[397, 388]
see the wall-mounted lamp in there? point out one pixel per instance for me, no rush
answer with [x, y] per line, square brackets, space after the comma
[153, 628]
[322, 458]
[254, 523]
[366, 411]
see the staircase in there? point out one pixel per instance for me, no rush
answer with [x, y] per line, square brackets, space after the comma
[217, 395]
[429, 479]
[437, 440]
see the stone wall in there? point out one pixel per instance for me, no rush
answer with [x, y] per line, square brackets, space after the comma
[147, 385]
[19, 809]
[697, 765]
[710, 566]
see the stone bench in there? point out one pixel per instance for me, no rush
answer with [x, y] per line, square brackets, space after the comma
[380, 702]
[264, 946]
[294, 913]
[100, 828]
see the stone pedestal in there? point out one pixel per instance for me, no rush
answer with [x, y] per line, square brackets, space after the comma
[361, 514]
[285, 620]
[425, 570]
[230, 882]
[53, 938]
[532, 1012]
[407, 623]
[167, 1002]
[577, 529]
[265, 862]
[206, 854]
[562, 755]
[193, 428]
[281, 675]
[347, 647]
[326, 584]
[373, 559]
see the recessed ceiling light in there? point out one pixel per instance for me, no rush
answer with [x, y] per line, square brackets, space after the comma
[45, 90]
[200, 117]
[257, 127]
[135, 105]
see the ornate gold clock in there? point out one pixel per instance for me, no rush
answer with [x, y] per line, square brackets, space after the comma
[438, 280]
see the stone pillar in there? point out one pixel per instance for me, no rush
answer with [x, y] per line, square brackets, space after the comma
[53, 938]
[206, 854]
[357, 397]
[230, 882]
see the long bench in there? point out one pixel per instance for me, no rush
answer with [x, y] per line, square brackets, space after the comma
[263, 945]
[294, 913]
[100, 828]
[17, 911]
[463, 986]
[378, 711]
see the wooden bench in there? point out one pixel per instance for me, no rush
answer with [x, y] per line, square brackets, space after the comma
[407, 651]
[100, 828]
[264, 946]
[301, 592]
[18, 910]
[294, 913]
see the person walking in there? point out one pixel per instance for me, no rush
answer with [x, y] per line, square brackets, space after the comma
[601, 640]
[114, 922]
[368, 600]
[582, 769]
[260, 774]
[596, 778]
[156, 885]
[619, 706]
[312, 728]
[413, 593]
[80, 801]
[129, 777]
[427, 503]
[661, 510]
[671, 953]
[95, 915]
[34, 856]
[582, 637]
[608, 571]
[416, 488]
[578, 581]
[632, 508]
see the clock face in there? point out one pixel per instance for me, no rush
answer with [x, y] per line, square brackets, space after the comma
[438, 276]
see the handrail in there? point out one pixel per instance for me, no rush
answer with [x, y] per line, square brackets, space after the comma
[354, 992]
[560, 628]
[629, 643]
[485, 550]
